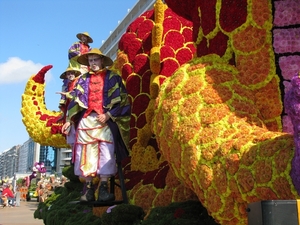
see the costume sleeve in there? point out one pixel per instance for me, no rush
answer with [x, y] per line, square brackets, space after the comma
[118, 104]
[74, 50]
[78, 98]
[64, 89]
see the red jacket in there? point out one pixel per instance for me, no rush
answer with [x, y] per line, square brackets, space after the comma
[8, 193]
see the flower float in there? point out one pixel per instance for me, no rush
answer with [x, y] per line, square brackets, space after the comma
[231, 80]
[206, 81]
[39, 170]
[223, 106]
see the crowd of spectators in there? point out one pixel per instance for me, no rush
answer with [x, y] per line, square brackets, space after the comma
[9, 197]
[44, 188]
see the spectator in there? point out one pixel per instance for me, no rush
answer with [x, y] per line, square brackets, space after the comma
[18, 197]
[7, 192]
[1, 201]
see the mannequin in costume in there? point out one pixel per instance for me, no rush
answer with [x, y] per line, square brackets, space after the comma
[77, 49]
[102, 134]
[70, 77]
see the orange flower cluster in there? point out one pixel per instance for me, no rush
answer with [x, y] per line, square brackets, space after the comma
[210, 146]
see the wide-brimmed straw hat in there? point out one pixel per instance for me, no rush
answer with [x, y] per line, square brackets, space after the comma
[83, 59]
[64, 75]
[90, 40]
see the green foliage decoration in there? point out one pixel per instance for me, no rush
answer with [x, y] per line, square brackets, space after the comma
[123, 214]
[63, 208]
[68, 171]
[180, 213]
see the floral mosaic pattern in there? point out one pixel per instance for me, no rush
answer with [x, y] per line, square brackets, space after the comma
[206, 81]
[154, 46]
[41, 123]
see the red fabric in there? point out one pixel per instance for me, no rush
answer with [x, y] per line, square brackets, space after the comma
[8, 193]
[71, 84]
[84, 48]
[96, 93]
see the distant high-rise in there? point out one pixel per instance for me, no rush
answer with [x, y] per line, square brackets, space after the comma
[9, 161]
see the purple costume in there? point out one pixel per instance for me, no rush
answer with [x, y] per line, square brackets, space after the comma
[91, 135]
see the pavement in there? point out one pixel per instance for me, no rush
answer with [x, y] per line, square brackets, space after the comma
[22, 215]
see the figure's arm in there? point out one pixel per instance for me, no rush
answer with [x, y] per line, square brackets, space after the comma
[75, 106]
[61, 93]
[120, 105]
[69, 94]
[66, 128]
[74, 50]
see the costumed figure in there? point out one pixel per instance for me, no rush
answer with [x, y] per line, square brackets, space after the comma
[77, 49]
[102, 134]
[70, 77]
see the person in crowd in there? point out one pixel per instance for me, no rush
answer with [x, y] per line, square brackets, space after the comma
[102, 134]
[5, 180]
[18, 197]
[77, 49]
[41, 190]
[1, 189]
[7, 192]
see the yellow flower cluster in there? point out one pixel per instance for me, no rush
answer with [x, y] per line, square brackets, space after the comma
[222, 118]
[221, 152]
[33, 107]
[250, 90]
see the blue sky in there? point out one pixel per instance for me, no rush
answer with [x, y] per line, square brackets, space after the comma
[35, 33]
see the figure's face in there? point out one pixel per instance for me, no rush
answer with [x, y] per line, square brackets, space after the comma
[95, 62]
[84, 38]
[70, 75]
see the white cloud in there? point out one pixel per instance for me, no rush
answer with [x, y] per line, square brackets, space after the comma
[16, 70]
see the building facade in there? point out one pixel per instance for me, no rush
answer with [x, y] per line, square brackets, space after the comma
[9, 162]
[28, 155]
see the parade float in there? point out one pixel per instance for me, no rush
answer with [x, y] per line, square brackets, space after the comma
[207, 82]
